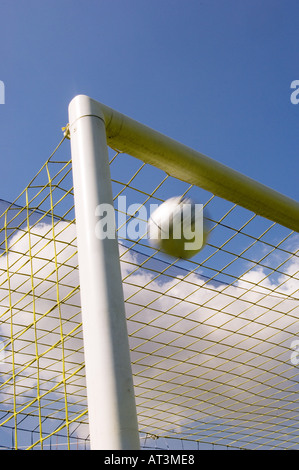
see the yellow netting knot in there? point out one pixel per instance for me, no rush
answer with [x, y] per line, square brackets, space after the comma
[66, 131]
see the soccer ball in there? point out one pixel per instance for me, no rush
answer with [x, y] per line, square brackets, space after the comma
[177, 227]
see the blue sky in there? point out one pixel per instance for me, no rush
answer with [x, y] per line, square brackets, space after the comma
[212, 74]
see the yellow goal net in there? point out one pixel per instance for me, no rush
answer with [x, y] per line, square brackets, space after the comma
[213, 340]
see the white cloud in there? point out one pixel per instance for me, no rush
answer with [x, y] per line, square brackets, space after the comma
[202, 352]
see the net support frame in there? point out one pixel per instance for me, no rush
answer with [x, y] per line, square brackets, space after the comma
[109, 382]
[93, 126]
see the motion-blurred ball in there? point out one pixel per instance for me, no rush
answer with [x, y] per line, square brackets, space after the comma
[177, 227]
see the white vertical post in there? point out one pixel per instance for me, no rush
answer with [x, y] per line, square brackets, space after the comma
[110, 393]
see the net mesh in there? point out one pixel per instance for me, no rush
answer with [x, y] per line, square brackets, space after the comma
[212, 339]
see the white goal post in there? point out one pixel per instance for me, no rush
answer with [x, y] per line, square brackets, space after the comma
[93, 126]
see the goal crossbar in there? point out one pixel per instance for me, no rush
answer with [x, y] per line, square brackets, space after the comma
[180, 161]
